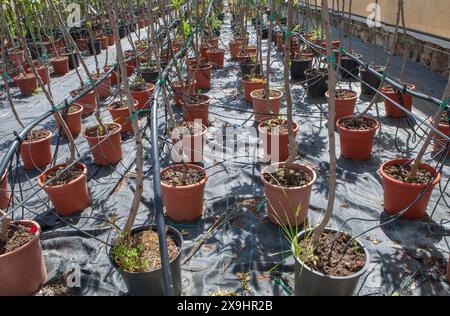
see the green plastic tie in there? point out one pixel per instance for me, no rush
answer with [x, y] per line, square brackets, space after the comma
[260, 205]
[445, 104]
[161, 81]
[272, 17]
[44, 56]
[332, 58]
[288, 34]
[6, 76]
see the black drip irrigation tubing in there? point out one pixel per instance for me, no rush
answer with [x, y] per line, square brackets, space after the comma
[159, 212]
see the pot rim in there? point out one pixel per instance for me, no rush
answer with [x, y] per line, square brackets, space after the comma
[28, 244]
[264, 130]
[204, 130]
[60, 59]
[47, 138]
[252, 94]
[190, 186]
[351, 276]
[340, 127]
[279, 164]
[80, 109]
[75, 93]
[409, 185]
[41, 181]
[110, 108]
[104, 136]
[251, 82]
[327, 94]
[148, 227]
[150, 87]
[410, 86]
[205, 102]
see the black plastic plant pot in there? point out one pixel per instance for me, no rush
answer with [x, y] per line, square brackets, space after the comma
[369, 80]
[122, 31]
[265, 33]
[150, 76]
[298, 68]
[97, 45]
[249, 68]
[74, 62]
[317, 84]
[312, 283]
[35, 50]
[349, 67]
[132, 27]
[152, 283]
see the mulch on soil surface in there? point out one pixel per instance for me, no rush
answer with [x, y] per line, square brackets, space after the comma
[288, 178]
[357, 124]
[59, 177]
[18, 235]
[340, 264]
[97, 131]
[182, 176]
[402, 172]
[36, 135]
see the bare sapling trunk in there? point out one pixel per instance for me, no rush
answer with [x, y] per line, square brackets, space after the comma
[111, 6]
[389, 58]
[331, 119]
[268, 58]
[435, 123]
[293, 147]
[41, 84]
[158, 65]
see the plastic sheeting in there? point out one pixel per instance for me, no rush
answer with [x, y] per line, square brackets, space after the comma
[406, 258]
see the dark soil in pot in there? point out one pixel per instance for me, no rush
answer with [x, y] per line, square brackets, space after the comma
[358, 124]
[183, 177]
[402, 172]
[150, 75]
[138, 260]
[62, 176]
[36, 135]
[317, 84]
[319, 273]
[96, 131]
[19, 234]
[371, 80]
[288, 177]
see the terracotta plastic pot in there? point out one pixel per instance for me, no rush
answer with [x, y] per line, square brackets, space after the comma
[115, 75]
[197, 110]
[87, 101]
[103, 90]
[122, 116]
[202, 75]
[276, 146]
[106, 150]
[61, 65]
[5, 193]
[152, 283]
[69, 198]
[391, 109]
[27, 84]
[399, 195]
[17, 57]
[216, 57]
[82, 43]
[439, 142]
[179, 90]
[266, 110]
[357, 144]
[36, 154]
[73, 121]
[104, 42]
[143, 97]
[250, 86]
[184, 203]
[344, 107]
[23, 271]
[235, 49]
[44, 74]
[309, 282]
[280, 41]
[190, 146]
[288, 206]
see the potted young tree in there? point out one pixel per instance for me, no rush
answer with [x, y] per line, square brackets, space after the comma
[23, 269]
[188, 139]
[35, 149]
[141, 91]
[197, 108]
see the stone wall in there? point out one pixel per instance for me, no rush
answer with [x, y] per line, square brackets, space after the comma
[433, 57]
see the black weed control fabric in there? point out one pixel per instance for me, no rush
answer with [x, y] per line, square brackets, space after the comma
[407, 257]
